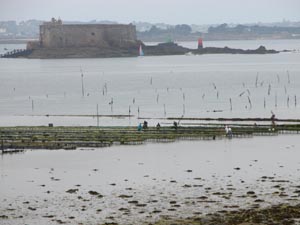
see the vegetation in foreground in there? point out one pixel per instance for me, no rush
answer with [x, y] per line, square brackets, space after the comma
[74, 137]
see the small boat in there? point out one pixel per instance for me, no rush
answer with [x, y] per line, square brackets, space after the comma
[189, 54]
[141, 52]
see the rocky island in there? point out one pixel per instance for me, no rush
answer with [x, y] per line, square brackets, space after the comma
[58, 40]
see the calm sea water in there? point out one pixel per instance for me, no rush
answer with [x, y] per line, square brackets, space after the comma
[33, 185]
[155, 87]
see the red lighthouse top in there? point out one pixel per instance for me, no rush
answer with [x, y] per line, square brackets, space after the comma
[200, 43]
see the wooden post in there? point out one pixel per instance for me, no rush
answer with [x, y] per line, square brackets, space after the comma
[97, 116]
[82, 86]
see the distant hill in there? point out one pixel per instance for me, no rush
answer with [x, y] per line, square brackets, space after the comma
[221, 32]
[161, 32]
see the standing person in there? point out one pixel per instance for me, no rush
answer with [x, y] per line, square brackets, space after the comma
[226, 130]
[139, 127]
[158, 126]
[145, 125]
[175, 125]
[273, 118]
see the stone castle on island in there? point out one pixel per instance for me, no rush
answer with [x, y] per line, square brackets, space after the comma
[60, 40]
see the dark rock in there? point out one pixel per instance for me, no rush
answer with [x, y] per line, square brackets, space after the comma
[72, 191]
[31, 208]
[93, 193]
[125, 196]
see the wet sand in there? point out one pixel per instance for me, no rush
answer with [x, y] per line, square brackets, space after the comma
[152, 183]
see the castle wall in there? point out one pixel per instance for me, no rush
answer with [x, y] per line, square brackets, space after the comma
[92, 35]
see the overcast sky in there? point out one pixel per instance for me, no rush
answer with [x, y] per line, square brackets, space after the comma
[167, 11]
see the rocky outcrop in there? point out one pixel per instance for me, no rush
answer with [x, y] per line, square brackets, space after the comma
[174, 49]
[226, 50]
[132, 51]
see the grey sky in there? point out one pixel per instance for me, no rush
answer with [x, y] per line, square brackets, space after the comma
[167, 11]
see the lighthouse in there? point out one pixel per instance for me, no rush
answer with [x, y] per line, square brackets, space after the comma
[200, 43]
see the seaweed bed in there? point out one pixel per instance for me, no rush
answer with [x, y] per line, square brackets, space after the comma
[72, 137]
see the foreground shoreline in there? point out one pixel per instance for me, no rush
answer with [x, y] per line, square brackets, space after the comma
[276, 215]
[239, 181]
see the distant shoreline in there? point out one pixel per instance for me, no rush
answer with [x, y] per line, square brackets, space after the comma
[24, 41]
[15, 41]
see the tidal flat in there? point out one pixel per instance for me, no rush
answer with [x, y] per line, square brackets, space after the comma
[227, 181]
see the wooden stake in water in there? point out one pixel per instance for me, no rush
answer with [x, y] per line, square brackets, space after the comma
[269, 89]
[111, 104]
[265, 103]
[278, 78]
[285, 89]
[97, 116]
[250, 103]
[214, 85]
[230, 101]
[32, 105]
[295, 100]
[241, 94]
[165, 112]
[256, 80]
[138, 112]
[82, 85]
[288, 101]
[288, 76]
[276, 100]
[262, 83]
[106, 88]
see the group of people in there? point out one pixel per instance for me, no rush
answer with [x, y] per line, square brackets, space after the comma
[228, 130]
[144, 126]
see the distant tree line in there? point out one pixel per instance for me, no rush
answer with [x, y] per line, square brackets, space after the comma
[184, 32]
[224, 28]
[181, 32]
[178, 32]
